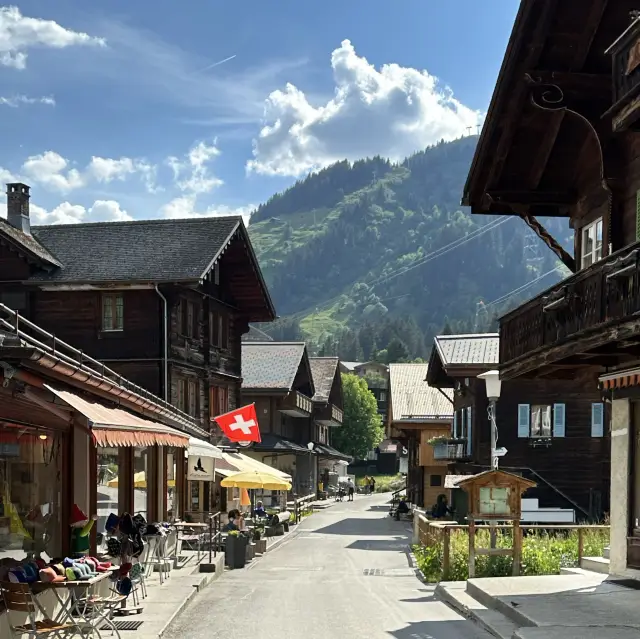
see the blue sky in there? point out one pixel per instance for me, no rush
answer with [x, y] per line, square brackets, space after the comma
[120, 109]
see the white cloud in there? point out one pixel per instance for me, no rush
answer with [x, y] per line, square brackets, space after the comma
[51, 170]
[16, 100]
[186, 207]
[66, 213]
[54, 172]
[392, 112]
[19, 33]
[192, 173]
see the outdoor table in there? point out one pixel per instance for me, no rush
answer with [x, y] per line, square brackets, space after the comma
[74, 608]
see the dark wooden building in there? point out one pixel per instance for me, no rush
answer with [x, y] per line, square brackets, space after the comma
[162, 302]
[561, 139]
[553, 430]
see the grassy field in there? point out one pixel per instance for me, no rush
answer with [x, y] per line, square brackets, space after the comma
[384, 483]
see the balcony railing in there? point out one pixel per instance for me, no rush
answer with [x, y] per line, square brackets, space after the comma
[606, 293]
[450, 450]
[625, 55]
[328, 415]
[295, 404]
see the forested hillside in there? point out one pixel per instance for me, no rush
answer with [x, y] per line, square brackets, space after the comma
[375, 257]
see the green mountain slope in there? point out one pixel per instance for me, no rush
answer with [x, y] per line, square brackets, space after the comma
[374, 245]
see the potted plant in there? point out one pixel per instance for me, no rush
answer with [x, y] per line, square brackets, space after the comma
[441, 439]
[235, 552]
[258, 532]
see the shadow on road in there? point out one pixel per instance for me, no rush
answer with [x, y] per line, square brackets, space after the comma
[399, 544]
[382, 527]
[383, 508]
[433, 630]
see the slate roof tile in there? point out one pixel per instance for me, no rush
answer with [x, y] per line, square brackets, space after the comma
[482, 349]
[323, 371]
[270, 365]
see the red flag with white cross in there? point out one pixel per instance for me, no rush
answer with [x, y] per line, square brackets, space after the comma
[240, 425]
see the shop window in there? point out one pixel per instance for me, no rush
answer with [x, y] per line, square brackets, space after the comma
[112, 312]
[173, 496]
[31, 493]
[141, 480]
[111, 487]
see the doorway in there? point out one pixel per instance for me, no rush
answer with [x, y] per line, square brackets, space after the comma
[633, 540]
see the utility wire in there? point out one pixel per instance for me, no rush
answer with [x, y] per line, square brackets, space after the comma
[515, 291]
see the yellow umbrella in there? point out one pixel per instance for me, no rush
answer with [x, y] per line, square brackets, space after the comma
[245, 500]
[139, 481]
[255, 479]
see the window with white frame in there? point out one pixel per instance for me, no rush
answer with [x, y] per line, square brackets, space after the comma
[591, 237]
[541, 421]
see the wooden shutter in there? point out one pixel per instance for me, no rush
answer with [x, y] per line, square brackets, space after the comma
[558, 420]
[193, 398]
[638, 215]
[469, 419]
[523, 420]
[597, 420]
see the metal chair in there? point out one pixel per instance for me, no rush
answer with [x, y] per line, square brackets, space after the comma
[18, 598]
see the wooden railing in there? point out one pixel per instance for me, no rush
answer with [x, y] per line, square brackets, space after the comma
[438, 533]
[329, 415]
[298, 403]
[625, 68]
[608, 292]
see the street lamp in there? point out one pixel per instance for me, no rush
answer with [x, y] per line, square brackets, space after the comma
[493, 384]
[310, 446]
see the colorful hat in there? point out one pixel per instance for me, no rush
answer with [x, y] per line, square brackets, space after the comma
[78, 518]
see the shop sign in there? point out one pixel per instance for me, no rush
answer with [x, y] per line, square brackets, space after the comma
[200, 468]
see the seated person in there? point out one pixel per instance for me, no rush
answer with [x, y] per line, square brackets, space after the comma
[402, 509]
[235, 521]
[259, 510]
[441, 509]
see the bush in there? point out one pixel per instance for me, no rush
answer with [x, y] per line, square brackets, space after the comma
[386, 483]
[543, 553]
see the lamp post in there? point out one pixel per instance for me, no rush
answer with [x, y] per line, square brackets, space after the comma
[310, 447]
[493, 384]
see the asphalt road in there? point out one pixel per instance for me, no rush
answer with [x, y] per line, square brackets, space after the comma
[343, 574]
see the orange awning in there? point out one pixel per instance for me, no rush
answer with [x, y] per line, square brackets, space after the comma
[622, 379]
[118, 427]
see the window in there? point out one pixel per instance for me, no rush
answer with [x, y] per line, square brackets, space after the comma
[188, 319]
[218, 330]
[383, 396]
[218, 401]
[15, 301]
[192, 398]
[541, 420]
[435, 480]
[112, 312]
[592, 243]
[182, 395]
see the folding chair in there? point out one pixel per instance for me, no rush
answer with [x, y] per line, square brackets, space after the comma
[18, 598]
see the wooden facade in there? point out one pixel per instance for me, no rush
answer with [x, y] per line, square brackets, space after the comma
[191, 356]
[561, 139]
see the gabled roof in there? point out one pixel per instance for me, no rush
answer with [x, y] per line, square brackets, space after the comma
[154, 251]
[26, 244]
[413, 399]
[468, 355]
[272, 365]
[323, 372]
[142, 250]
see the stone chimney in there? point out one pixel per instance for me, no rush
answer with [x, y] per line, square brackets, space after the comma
[18, 206]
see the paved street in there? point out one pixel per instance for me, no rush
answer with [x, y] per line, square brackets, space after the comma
[343, 574]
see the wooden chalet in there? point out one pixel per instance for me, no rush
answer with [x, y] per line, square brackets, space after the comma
[162, 302]
[417, 414]
[553, 430]
[561, 140]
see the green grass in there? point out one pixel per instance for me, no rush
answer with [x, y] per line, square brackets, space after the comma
[384, 483]
[542, 554]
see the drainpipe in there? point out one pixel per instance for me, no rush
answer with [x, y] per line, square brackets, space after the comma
[165, 341]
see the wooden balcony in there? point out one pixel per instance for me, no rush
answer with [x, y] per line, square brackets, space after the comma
[589, 318]
[625, 55]
[451, 450]
[328, 415]
[296, 404]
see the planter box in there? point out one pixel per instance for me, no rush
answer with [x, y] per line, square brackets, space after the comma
[261, 546]
[235, 552]
[250, 552]
[279, 530]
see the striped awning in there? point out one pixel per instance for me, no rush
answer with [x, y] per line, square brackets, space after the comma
[112, 426]
[620, 379]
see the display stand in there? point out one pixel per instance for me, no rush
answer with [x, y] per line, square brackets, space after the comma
[495, 496]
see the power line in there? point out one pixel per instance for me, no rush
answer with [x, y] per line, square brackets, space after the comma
[515, 291]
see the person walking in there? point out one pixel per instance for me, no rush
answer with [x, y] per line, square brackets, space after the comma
[372, 485]
[351, 487]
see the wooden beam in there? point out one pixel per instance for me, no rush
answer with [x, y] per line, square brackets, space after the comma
[595, 11]
[539, 162]
[587, 85]
[550, 241]
[519, 94]
[532, 197]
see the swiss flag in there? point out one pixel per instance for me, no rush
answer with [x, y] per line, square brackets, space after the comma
[240, 425]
